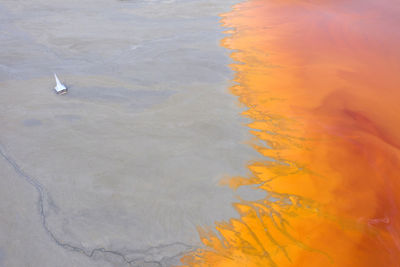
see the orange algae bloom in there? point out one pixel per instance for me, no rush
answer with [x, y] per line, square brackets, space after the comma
[321, 81]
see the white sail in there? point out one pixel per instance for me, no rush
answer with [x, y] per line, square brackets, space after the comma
[60, 88]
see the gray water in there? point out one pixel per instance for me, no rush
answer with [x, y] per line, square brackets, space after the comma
[121, 170]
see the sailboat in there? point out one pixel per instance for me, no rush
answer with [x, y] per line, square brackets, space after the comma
[60, 88]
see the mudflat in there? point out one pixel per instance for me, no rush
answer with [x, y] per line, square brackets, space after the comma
[121, 170]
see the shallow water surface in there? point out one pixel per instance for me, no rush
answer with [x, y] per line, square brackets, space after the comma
[122, 169]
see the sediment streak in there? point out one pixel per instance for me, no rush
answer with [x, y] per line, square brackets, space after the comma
[44, 197]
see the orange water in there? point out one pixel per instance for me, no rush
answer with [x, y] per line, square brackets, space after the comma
[321, 81]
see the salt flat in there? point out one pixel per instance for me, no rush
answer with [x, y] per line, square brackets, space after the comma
[122, 169]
